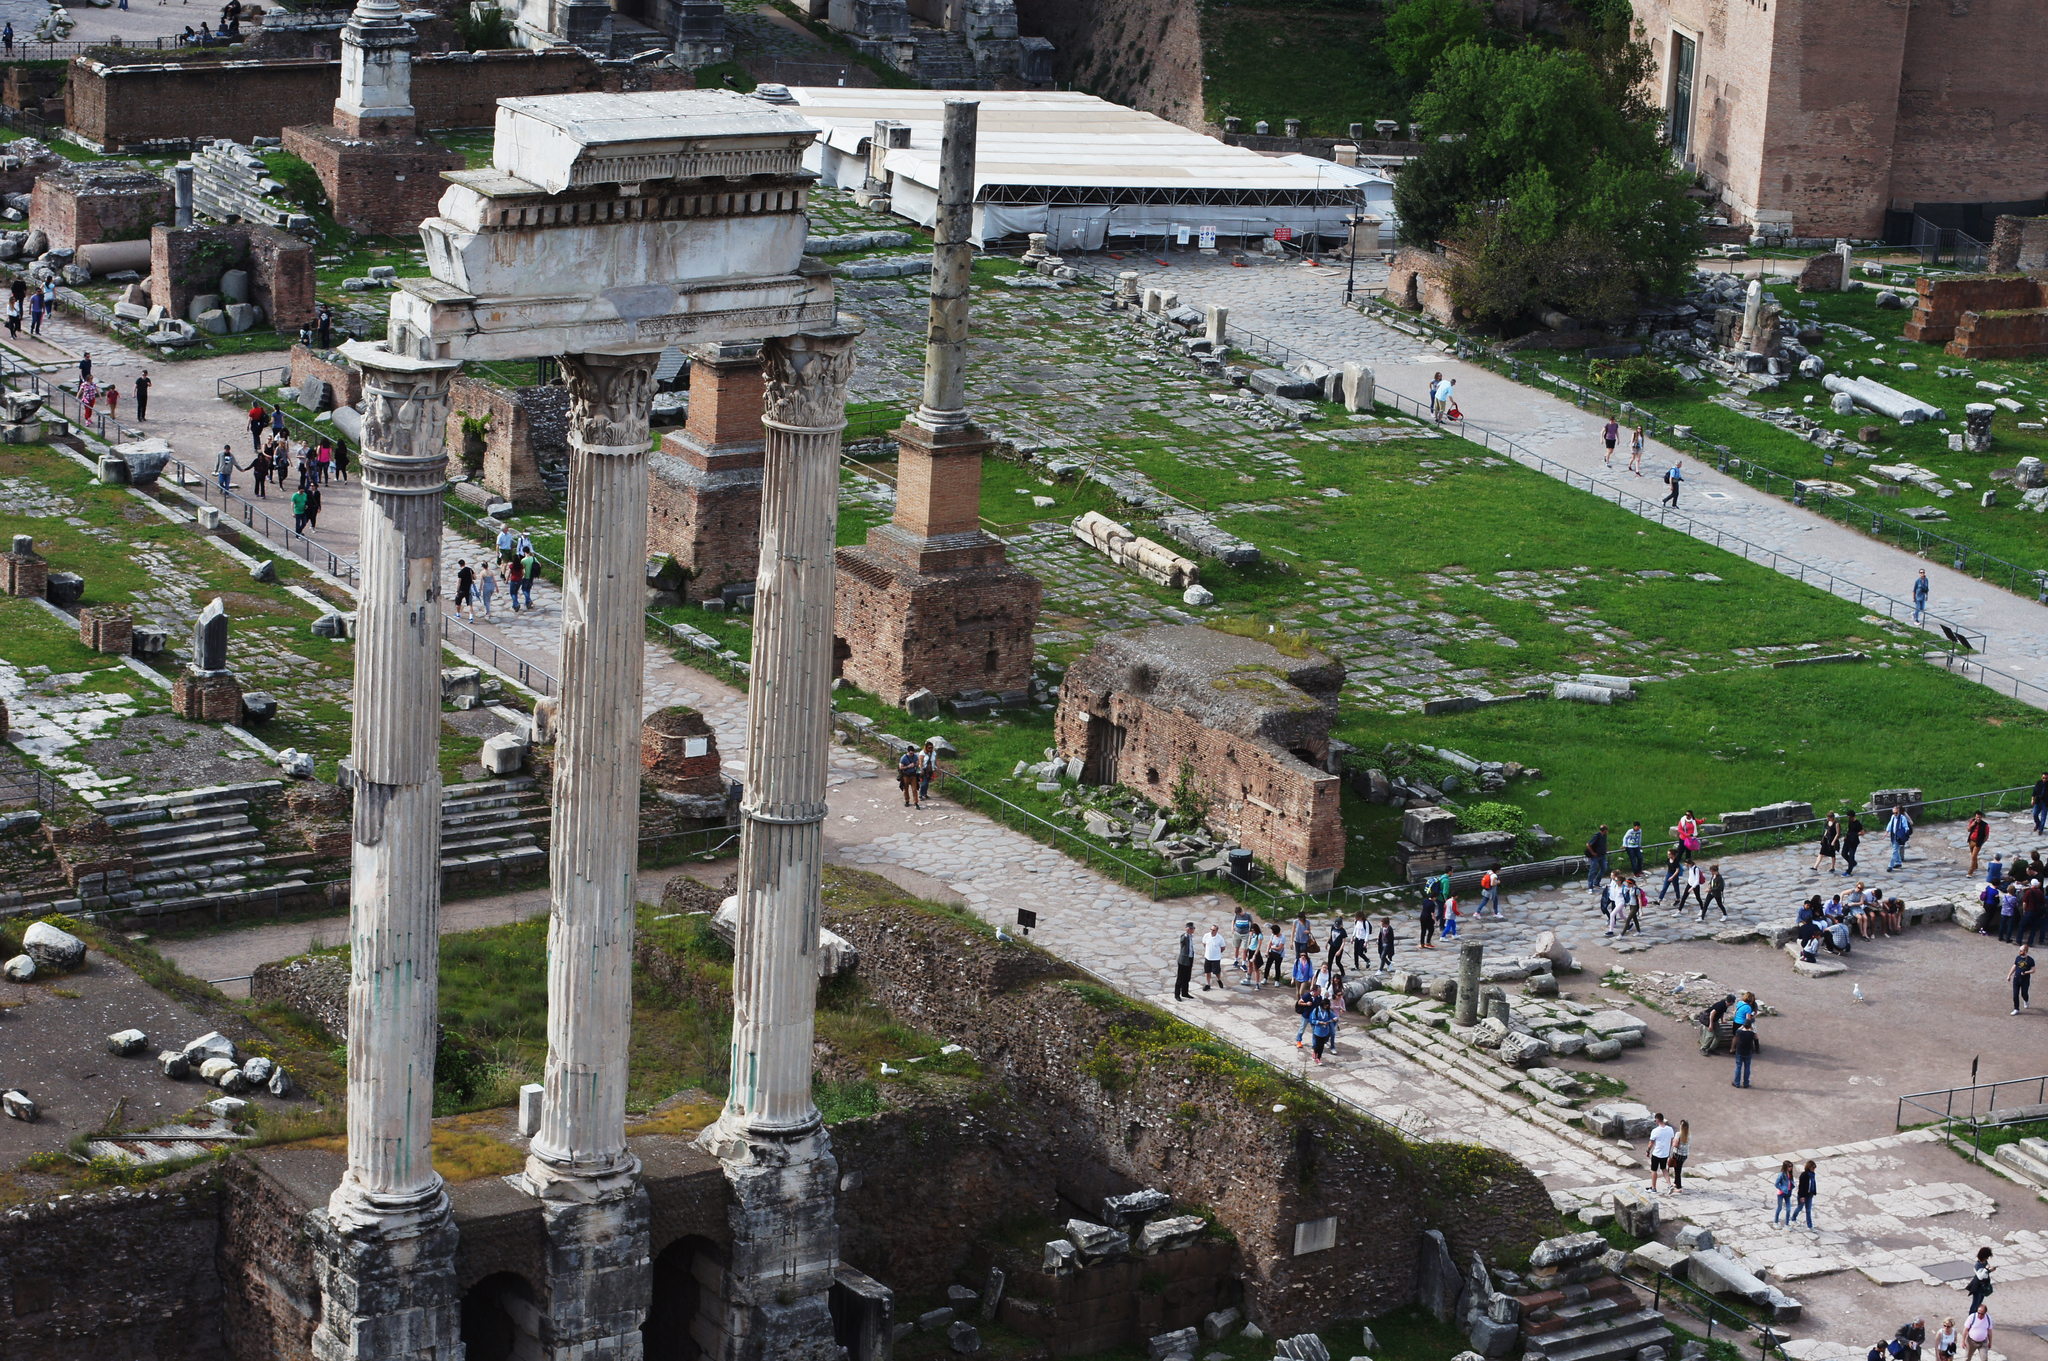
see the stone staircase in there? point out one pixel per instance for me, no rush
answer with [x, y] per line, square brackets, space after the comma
[1601, 1320]
[192, 849]
[944, 61]
[492, 828]
[2026, 1160]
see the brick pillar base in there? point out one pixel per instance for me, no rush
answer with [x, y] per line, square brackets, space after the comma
[106, 628]
[704, 493]
[208, 696]
[24, 574]
[377, 179]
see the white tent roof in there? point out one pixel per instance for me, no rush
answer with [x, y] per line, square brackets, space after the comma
[1369, 178]
[1051, 140]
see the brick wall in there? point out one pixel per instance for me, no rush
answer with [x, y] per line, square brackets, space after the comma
[938, 490]
[381, 187]
[115, 1274]
[898, 631]
[1418, 280]
[704, 489]
[664, 752]
[185, 262]
[269, 1296]
[2002, 335]
[346, 380]
[1972, 104]
[28, 86]
[72, 211]
[120, 106]
[1940, 304]
[2019, 243]
[510, 469]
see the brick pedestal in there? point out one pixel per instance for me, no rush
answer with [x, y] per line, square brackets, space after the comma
[704, 492]
[679, 752]
[930, 601]
[208, 696]
[106, 628]
[24, 574]
[380, 184]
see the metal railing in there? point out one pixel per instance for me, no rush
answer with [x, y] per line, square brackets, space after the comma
[227, 388]
[1993, 1116]
[64, 401]
[1804, 492]
[262, 522]
[528, 674]
[28, 786]
[1668, 1292]
[1996, 680]
[1963, 250]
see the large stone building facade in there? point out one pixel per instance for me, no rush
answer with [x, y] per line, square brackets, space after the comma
[1245, 724]
[1819, 118]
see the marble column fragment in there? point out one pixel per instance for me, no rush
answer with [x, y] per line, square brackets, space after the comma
[777, 1155]
[385, 1243]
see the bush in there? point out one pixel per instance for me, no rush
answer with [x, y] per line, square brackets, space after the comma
[1632, 379]
[1492, 817]
[483, 28]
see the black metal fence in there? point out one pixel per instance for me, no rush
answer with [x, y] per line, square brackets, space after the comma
[28, 786]
[1991, 1116]
[263, 524]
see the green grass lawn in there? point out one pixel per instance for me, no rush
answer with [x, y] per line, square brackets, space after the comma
[2006, 530]
[1280, 59]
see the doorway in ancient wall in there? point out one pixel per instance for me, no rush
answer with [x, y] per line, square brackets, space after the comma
[499, 1318]
[678, 1292]
[1105, 751]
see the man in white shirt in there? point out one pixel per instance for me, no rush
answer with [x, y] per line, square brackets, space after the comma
[1212, 959]
[1660, 1149]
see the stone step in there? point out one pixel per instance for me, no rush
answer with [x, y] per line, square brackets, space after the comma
[516, 858]
[160, 883]
[467, 813]
[489, 803]
[2030, 1163]
[1565, 1316]
[156, 834]
[187, 798]
[481, 845]
[212, 847]
[510, 783]
[1607, 1339]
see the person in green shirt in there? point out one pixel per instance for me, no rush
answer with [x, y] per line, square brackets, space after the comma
[299, 511]
[529, 569]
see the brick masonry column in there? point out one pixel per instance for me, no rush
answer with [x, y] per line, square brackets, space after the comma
[384, 1246]
[704, 504]
[595, 1210]
[777, 1155]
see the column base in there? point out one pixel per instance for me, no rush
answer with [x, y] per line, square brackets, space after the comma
[773, 1298]
[600, 1278]
[386, 1298]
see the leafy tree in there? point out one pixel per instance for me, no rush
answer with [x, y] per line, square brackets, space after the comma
[1546, 165]
[483, 28]
[1419, 32]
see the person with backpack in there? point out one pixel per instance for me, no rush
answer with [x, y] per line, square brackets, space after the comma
[1489, 893]
[1674, 479]
[1427, 923]
[1596, 859]
[1449, 927]
[1744, 1044]
[1980, 1280]
[514, 578]
[1977, 1331]
[906, 776]
[1809, 1188]
[529, 569]
[1898, 829]
[1322, 1025]
[1304, 1002]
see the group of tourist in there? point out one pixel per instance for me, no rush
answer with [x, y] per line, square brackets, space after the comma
[1259, 953]
[1972, 1338]
[516, 569]
[916, 768]
[32, 303]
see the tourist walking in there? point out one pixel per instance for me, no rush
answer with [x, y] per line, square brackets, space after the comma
[1662, 1137]
[927, 769]
[1184, 961]
[1852, 837]
[312, 507]
[1631, 907]
[260, 469]
[508, 544]
[1361, 933]
[341, 460]
[1674, 479]
[85, 367]
[1945, 1341]
[1632, 845]
[113, 396]
[277, 421]
[1635, 450]
[35, 313]
[1304, 936]
[1694, 886]
[1436, 396]
[1785, 1183]
[1716, 886]
[2041, 803]
[1977, 1334]
[1386, 943]
[1674, 873]
[906, 779]
[1276, 952]
[1809, 1187]
[513, 578]
[142, 397]
[224, 467]
[1322, 1025]
[1830, 841]
[1489, 893]
[465, 582]
[258, 418]
[1212, 959]
[7, 38]
[323, 461]
[1975, 835]
[1427, 922]
[14, 317]
[1920, 596]
[1744, 1044]
[1980, 1280]
[486, 587]
[1897, 829]
[529, 567]
[299, 511]
[1609, 433]
[2021, 976]
[88, 397]
[1681, 1149]
[1596, 858]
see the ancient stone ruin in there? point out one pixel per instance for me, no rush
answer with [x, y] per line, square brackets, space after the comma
[1983, 316]
[1237, 721]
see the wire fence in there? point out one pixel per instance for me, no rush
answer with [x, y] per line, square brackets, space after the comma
[28, 786]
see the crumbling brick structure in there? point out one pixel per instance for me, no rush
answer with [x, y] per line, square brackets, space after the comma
[704, 486]
[381, 185]
[207, 697]
[2018, 244]
[1248, 723]
[81, 206]
[519, 424]
[23, 571]
[679, 752]
[1987, 317]
[106, 628]
[328, 366]
[1419, 280]
[185, 262]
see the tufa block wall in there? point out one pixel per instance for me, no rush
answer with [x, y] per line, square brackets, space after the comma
[1419, 280]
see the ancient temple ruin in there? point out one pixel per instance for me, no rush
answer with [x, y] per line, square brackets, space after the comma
[687, 210]
[930, 601]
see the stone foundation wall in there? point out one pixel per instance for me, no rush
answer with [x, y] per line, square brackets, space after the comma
[269, 1297]
[185, 262]
[2018, 243]
[345, 379]
[116, 1274]
[1941, 303]
[511, 468]
[709, 522]
[106, 628]
[1186, 1129]
[2001, 335]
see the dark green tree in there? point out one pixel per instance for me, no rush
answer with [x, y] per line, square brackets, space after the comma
[1419, 32]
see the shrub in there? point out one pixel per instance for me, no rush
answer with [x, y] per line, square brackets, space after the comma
[1633, 378]
[1492, 817]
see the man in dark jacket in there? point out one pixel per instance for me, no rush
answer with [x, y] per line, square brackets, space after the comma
[1745, 1050]
[1184, 967]
[1596, 859]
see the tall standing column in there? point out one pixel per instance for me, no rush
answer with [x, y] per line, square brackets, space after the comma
[385, 1244]
[778, 1158]
[578, 1163]
[945, 348]
[376, 71]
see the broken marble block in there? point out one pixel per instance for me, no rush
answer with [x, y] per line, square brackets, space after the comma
[127, 1042]
[54, 950]
[1166, 1235]
[173, 1064]
[20, 969]
[17, 1105]
[258, 1070]
[1097, 1242]
[211, 1045]
[280, 1083]
[228, 1107]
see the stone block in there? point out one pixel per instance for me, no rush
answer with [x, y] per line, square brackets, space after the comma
[530, 1098]
[963, 1338]
[258, 708]
[20, 969]
[1163, 1345]
[1060, 1258]
[172, 1063]
[1490, 1338]
[1621, 1120]
[242, 316]
[213, 322]
[1636, 1211]
[127, 1042]
[1167, 1235]
[921, 703]
[1658, 1257]
[1429, 826]
[106, 628]
[503, 754]
[1127, 1211]
[1221, 1324]
[53, 949]
[234, 285]
[1097, 1242]
[17, 1106]
[1438, 1282]
[64, 589]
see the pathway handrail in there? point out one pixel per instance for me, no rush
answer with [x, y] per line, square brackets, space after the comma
[1950, 1119]
[226, 386]
[272, 529]
[528, 674]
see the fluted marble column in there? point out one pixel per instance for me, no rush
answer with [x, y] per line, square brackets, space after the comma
[777, 1156]
[385, 1243]
[596, 1213]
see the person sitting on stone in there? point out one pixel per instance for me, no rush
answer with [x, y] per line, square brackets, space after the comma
[1836, 938]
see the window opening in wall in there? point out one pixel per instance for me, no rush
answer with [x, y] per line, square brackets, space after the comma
[1683, 54]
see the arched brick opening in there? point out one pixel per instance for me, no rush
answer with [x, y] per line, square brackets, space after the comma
[669, 1334]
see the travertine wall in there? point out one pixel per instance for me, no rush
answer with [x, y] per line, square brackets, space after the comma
[1418, 280]
[2019, 243]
